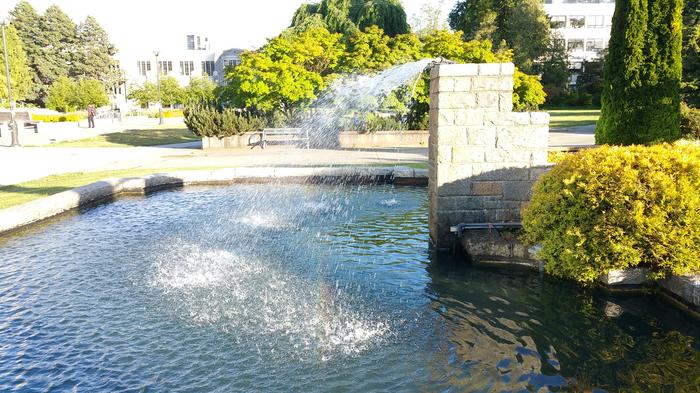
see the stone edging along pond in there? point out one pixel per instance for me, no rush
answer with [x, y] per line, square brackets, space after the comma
[18, 217]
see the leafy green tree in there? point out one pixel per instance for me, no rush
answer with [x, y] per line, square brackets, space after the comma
[62, 95]
[145, 95]
[368, 51]
[429, 18]
[28, 23]
[20, 73]
[170, 91]
[94, 54]
[528, 93]
[90, 91]
[641, 94]
[521, 24]
[691, 52]
[199, 89]
[553, 67]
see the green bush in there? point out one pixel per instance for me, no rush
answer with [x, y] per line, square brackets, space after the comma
[373, 123]
[690, 121]
[619, 207]
[57, 118]
[210, 120]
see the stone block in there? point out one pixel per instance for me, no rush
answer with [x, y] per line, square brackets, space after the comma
[520, 118]
[468, 117]
[487, 83]
[539, 118]
[452, 136]
[440, 85]
[505, 102]
[540, 156]
[509, 155]
[463, 84]
[535, 173]
[463, 100]
[507, 69]
[442, 117]
[474, 202]
[521, 137]
[517, 190]
[490, 69]
[686, 288]
[481, 136]
[454, 70]
[500, 172]
[454, 188]
[487, 188]
[635, 276]
[444, 155]
[463, 155]
[498, 119]
[488, 100]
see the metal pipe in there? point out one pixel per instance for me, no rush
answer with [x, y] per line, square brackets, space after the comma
[160, 103]
[13, 120]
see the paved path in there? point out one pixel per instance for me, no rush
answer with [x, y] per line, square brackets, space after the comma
[18, 165]
[572, 136]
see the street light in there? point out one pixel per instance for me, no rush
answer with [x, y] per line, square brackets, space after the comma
[160, 104]
[4, 21]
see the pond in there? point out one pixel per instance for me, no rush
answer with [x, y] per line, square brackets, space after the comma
[308, 288]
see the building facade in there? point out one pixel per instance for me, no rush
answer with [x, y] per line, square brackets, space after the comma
[193, 58]
[584, 26]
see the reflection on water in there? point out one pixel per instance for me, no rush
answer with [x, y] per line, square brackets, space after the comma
[298, 288]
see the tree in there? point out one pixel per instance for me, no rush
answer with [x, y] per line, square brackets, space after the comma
[429, 18]
[61, 95]
[20, 73]
[521, 24]
[90, 91]
[27, 22]
[58, 40]
[553, 67]
[348, 16]
[199, 89]
[528, 93]
[691, 52]
[641, 98]
[170, 91]
[144, 95]
[368, 51]
[93, 57]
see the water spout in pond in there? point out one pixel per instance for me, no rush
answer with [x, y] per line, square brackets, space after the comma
[355, 96]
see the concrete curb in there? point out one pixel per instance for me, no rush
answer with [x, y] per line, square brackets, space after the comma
[17, 217]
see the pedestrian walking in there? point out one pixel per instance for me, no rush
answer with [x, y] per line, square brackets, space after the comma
[91, 116]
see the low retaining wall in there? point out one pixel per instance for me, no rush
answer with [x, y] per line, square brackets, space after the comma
[21, 216]
[347, 140]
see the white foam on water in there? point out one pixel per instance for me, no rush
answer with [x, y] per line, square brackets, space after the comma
[246, 297]
[389, 202]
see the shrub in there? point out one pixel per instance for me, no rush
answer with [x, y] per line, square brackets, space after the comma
[210, 120]
[528, 93]
[167, 114]
[619, 207]
[690, 121]
[373, 123]
[72, 117]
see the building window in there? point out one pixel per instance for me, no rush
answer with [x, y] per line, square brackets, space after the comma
[231, 63]
[144, 67]
[557, 21]
[577, 22]
[574, 45]
[595, 46]
[595, 21]
[190, 42]
[608, 21]
[186, 68]
[165, 67]
[208, 67]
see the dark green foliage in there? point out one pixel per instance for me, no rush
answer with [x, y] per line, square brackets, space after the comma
[27, 22]
[521, 24]
[94, 55]
[690, 122]
[349, 16]
[590, 81]
[553, 66]
[209, 119]
[691, 52]
[641, 100]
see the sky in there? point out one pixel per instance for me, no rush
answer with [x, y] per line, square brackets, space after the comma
[144, 25]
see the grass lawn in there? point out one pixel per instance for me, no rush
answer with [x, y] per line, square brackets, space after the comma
[149, 137]
[563, 118]
[25, 192]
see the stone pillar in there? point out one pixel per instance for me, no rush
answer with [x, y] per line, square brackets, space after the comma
[483, 156]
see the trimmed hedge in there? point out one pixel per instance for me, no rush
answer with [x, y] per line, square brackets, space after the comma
[619, 207]
[57, 118]
[209, 120]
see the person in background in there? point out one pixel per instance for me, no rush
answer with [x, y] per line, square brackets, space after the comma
[91, 116]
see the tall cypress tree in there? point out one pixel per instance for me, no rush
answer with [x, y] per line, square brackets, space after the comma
[641, 92]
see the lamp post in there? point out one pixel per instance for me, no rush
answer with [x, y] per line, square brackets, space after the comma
[160, 104]
[4, 20]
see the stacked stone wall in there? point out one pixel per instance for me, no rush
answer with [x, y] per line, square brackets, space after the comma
[483, 156]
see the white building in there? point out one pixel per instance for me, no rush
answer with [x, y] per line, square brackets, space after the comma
[584, 25]
[193, 58]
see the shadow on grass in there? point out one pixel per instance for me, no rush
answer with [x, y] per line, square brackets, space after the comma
[154, 137]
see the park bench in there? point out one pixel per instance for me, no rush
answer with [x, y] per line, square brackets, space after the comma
[284, 135]
[23, 119]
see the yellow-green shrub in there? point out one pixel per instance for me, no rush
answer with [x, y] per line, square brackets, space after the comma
[167, 114]
[619, 207]
[57, 118]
